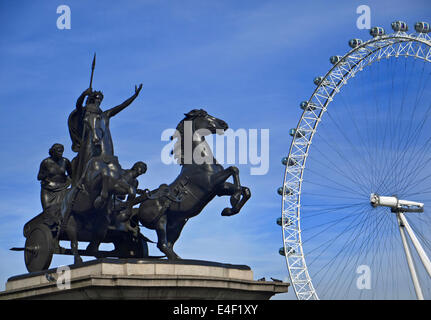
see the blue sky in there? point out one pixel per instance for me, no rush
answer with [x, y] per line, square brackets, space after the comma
[249, 63]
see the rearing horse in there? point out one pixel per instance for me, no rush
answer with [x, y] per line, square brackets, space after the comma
[168, 208]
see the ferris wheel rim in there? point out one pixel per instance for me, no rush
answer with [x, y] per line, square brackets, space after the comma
[292, 239]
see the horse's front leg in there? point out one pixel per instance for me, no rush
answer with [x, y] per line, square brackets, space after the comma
[104, 193]
[162, 244]
[238, 197]
[100, 228]
[224, 188]
[173, 228]
[239, 194]
[234, 172]
[152, 214]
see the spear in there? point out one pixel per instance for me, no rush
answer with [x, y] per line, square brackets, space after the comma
[92, 70]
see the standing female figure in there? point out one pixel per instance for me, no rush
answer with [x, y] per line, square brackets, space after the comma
[54, 175]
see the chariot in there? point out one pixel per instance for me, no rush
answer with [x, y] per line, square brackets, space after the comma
[43, 235]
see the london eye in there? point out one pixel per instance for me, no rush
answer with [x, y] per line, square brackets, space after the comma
[356, 193]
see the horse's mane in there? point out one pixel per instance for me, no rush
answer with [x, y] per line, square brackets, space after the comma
[178, 150]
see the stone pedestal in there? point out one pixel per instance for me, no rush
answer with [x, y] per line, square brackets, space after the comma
[144, 279]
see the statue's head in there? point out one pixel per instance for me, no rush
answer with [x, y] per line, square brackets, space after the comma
[95, 98]
[56, 151]
[139, 168]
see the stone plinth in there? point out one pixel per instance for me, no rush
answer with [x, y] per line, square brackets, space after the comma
[145, 279]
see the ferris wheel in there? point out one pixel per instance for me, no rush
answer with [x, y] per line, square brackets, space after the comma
[356, 194]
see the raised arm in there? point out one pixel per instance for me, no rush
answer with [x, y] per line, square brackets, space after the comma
[113, 111]
[81, 98]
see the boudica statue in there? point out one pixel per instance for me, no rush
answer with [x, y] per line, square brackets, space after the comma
[93, 199]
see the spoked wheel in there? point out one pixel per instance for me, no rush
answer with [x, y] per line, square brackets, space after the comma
[39, 249]
[359, 168]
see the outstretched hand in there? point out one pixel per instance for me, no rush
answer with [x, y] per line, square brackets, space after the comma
[138, 89]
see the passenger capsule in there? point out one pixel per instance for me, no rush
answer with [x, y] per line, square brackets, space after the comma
[353, 43]
[335, 59]
[288, 249]
[298, 134]
[318, 80]
[279, 221]
[289, 162]
[307, 106]
[292, 132]
[377, 31]
[399, 26]
[289, 191]
[422, 27]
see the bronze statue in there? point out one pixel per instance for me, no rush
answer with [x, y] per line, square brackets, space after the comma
[129, 184]
[96, 170]
[168, 208]
[54, 175]
[89, 128]
[99, 205]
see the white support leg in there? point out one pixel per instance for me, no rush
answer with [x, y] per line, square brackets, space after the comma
[399, 207]
[422, 254]
[410, 262]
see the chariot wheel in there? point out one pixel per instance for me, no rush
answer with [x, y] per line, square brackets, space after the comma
[360, 158]
[39, 249]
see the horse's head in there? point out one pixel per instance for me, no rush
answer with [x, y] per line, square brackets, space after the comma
[202, 120]
[195, 126]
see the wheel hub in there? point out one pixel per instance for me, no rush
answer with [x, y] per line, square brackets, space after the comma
[395, 204]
